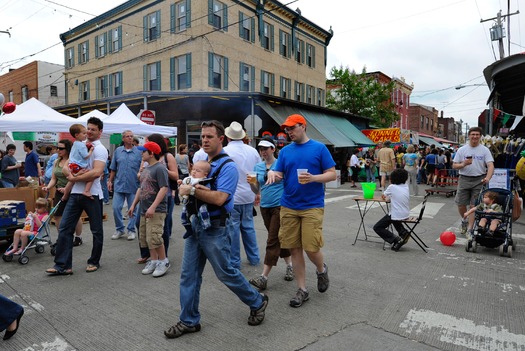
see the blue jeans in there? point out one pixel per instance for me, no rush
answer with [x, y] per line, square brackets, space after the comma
[9, 312]
[118, 203]
[7, 184]
[242, 219]
[104, 185]
[168, 222]
[212, 244]
[72, 212]
[370, 176]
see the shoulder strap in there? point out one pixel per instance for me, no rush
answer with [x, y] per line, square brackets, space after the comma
[218, 171]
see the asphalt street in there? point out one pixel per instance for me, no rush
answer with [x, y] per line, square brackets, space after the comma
[446, 299]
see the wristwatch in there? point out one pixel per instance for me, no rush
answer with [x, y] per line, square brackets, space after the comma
[192, 191]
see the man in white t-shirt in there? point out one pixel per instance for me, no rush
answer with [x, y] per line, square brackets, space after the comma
[77, 203]
[476, 166]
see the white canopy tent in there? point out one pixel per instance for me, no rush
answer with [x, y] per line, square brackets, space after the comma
[94, 113]
[35, 116]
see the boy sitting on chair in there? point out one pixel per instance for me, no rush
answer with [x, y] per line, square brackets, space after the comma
[488, 206]
[399, 196]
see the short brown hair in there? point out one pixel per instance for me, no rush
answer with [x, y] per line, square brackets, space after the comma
[75, 129]
[475, 129]
[219, 127]
[182, 147]
[491, 195]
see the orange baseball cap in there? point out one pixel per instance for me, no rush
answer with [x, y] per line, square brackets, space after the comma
[293, 120]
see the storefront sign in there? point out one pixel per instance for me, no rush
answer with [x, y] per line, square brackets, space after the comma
[377, 135]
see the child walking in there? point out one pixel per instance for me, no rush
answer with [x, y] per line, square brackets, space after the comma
[78, 158]
[32, 223]
[153, 207]
[399, 196]
[488, 206]
[199, 172]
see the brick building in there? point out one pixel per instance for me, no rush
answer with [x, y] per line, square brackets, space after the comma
[41, 80]
[423, 119]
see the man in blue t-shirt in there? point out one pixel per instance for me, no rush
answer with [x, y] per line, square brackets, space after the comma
[303, 166]
[213, 243]
[32, 162]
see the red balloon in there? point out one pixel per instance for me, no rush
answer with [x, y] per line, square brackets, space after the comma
[9, 107]
[447, 238]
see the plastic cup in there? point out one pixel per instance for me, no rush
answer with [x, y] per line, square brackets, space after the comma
[252, 177]
[299, 172]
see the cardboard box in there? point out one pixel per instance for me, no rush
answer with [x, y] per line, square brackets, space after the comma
[26, 194]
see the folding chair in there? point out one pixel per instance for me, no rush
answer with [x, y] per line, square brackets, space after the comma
[411, 223]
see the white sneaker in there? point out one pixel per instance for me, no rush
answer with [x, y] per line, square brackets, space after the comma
[117, 235]
[161, 269]
[150, 267]
[131, 235]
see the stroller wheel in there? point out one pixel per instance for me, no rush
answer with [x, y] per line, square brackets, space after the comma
[474, 246]
[40, 249]
[53, 251]
[501, 250]
[7, 258]
[23, 260]
[468, 245]
[509, 251]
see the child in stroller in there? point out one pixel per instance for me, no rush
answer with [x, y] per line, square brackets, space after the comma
[33, 221]
[488, 206]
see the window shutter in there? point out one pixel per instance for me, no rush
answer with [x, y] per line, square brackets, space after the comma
[240, 75]
[110, 43]
[96, 46]
[121, 82]
[106, 79]
[80, 89]
[241, 24]
[210, 12]
[145, 78]
[172, 18]
[188, 70]
[145, 20]
[252, 78]
[271, 38]
[225, 18]
[272, 89]
[302, 92]
[157, 14]
[120, 38]
[225, 59]
[303, 54]
[172, 73]
[210, 69]
[88, 91]
[188, 13]
[281, 43]
[97, 92]
[289, 53]
[252, 31]
[79, 53]
[87, 51]
[313, 56]
[111, 92]
[159, 75]
[262, 82]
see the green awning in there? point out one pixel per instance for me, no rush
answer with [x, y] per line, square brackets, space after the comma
[329, 130]
[429, 141]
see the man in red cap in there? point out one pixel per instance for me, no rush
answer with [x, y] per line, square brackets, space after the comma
[304, 166]
[153, 208]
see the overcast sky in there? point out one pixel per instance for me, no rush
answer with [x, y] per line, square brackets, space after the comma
[434, 45]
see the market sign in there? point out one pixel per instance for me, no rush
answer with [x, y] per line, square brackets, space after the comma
[377, 135]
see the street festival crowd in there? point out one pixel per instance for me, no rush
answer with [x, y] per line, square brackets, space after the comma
[218, 188]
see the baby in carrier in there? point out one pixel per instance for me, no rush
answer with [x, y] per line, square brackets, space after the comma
[488, 206]
[190, 208]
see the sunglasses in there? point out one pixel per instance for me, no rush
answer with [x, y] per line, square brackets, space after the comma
[61, 148]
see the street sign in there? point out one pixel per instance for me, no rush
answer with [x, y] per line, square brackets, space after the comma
[147, 116]
[252, 124]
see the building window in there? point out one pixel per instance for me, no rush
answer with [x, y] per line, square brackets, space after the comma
[267, 38]
[100, 45]
[83, 90]
[286, 85]
[152, 26]
[83, 52]
[284, 44]
[152, 76]
[299, 51]
[115, 36]
[11, 96]
[102, 87]
[426, 118]
[115, 84]
[246, 27]
[299, 91]
[218, 14]
[53, 90]
[267, 82]
[70, 57]
[247, 77]
[310, 55]
[320, 97]
[180, 72]
[310, 94]
[25, 92]
[217, 71]
[180, 14]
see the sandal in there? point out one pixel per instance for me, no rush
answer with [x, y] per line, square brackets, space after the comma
[142, 260]
[54, 271]
[91, 268]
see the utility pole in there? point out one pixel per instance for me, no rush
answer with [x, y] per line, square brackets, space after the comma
[496, 32]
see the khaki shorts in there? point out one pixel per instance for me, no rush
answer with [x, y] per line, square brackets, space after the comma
[468, 190]
[302, 229]
[150, 231]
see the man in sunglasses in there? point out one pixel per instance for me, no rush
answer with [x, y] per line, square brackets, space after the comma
[213, 242]
[302, 202]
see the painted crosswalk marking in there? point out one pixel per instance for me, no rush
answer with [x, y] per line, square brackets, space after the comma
[461, 331]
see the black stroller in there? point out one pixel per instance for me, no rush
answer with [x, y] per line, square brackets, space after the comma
[502, 236]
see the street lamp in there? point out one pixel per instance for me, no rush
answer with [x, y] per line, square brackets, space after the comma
[461, 86]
